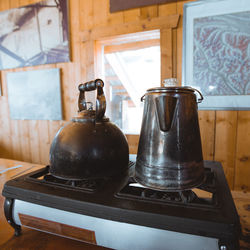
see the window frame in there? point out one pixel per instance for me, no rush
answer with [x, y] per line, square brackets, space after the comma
[93, 41]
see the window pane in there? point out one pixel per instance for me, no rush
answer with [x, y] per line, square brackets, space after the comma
[128, 75]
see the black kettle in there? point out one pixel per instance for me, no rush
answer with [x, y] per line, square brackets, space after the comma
[89, 146]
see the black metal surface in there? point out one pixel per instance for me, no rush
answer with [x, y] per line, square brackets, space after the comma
[89, 147]
[219, 220]
[84, 185]
[170, 153]
[8, 208]
[187, 197]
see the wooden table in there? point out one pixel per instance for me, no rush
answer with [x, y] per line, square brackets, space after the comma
[31, 239]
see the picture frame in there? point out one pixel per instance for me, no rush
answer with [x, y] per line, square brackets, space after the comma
[0, 85]
[35, 94]
[216, 52]
[35, 34]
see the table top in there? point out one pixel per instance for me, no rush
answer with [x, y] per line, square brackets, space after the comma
[32, 239]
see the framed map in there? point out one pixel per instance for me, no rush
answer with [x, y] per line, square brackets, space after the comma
[216, 52]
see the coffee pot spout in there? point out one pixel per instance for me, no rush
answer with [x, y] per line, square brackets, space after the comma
[165, 110]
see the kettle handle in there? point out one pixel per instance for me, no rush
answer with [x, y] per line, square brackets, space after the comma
[100, 99]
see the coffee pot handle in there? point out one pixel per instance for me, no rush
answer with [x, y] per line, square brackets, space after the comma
[100, 99]
[201, 96]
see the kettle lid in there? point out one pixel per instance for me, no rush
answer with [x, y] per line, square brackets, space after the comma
[88, 116]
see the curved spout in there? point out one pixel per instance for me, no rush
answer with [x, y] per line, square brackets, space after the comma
[165, 110]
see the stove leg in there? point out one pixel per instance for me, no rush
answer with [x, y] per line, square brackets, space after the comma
[8, 205]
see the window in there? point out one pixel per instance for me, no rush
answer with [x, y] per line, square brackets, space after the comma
[131, 66]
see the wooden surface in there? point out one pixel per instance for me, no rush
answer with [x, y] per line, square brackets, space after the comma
[225, 134]
[31, 239]
[118, 5]
[58, 228]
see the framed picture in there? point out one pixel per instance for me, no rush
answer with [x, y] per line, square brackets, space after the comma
[0, 85]
[35, 95]
[216, 52]
[34, 34]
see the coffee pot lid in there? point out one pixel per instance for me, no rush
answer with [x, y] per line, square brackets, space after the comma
[173, 89]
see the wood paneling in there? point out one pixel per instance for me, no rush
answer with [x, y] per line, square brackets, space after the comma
[225, 134]
[6, 143]
[86, 9]
[34, 142]
[207, 129]
[131, 15]
[167, 9]
[225, 142]
[149, 12]
[166, 54]
[242, 164]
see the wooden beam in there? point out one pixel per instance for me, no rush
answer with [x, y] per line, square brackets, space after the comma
[131, 46]
[118, 5]
[101, 32]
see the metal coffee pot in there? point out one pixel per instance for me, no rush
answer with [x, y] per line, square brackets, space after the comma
[169, 152]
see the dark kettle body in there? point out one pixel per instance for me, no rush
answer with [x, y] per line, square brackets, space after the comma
[89, 147]
[170, 153]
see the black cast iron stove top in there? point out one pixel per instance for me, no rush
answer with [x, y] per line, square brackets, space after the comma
[208, 210]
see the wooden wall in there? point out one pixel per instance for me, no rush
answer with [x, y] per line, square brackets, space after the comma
[225, 134]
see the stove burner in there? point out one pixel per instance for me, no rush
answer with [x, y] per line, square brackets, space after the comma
[90, 185]
[133, 190]
[184, 196]
[85, 185]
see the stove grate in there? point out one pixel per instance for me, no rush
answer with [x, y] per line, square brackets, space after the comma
[45, 178]
[91, 185]
[88, 185]
[204, 195]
